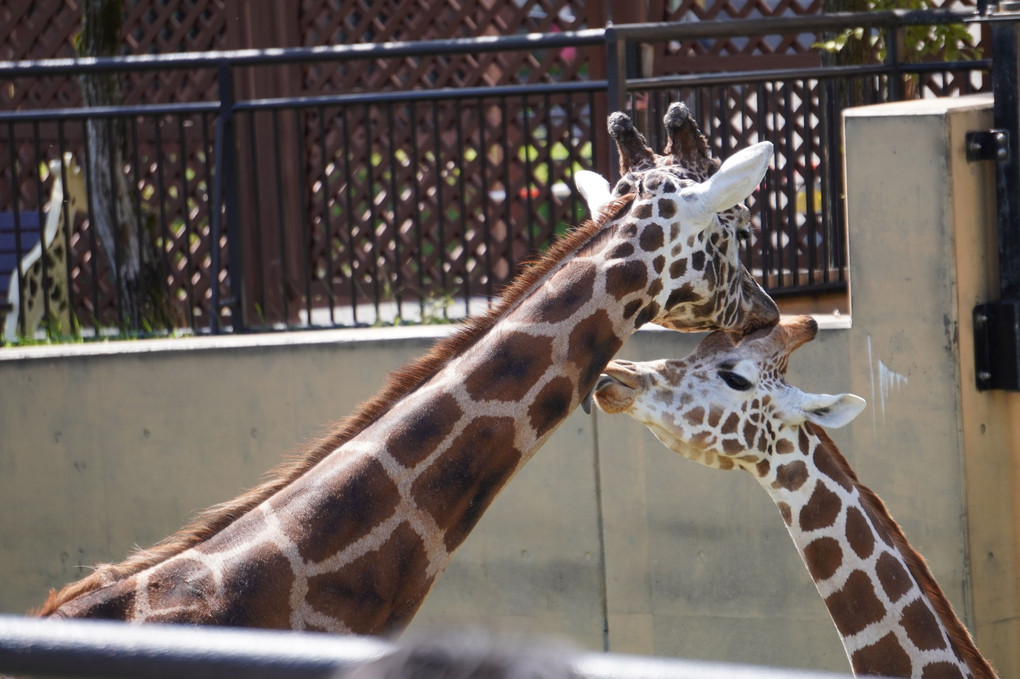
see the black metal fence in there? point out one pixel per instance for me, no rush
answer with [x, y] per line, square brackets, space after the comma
[389, 206]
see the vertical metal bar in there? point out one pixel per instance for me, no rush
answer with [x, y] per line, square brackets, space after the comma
[352, 248]
[43, 245]
[186, 218]
[327, 227]
[93, 238]
[256, 228]
[616, 76]
[417, 209]
[374, 245]
[893, 57]
[1006, 112]
[119, 249]
[281, 231]
[398, 277]
[461, 184]
[530, 226]
[511, 228]
[437, 150]
[302, 213]
[791, 184]
[68, 227]
[161, 198]
[19, 247]
[764, 221]
[225, 207]
[483, 159]
[810, 213]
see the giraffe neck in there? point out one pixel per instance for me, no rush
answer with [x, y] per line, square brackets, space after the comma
[354, 539]
[891, 615]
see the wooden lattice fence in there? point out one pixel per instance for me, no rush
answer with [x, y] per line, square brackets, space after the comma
[348, 204]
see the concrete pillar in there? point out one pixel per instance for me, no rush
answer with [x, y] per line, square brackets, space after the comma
[942, 455]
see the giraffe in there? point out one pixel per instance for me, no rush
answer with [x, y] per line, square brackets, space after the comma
[46, 277]
[351, 536]
[728, 406]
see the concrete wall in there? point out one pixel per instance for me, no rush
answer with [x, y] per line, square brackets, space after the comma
[103, 447]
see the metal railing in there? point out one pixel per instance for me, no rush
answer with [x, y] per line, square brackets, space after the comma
[370, 207]
[87, 648]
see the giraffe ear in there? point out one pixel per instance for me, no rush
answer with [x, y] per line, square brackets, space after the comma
[594, 189]
[735, 180]
[832, 411]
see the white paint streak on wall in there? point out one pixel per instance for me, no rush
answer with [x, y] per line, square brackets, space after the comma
[885, 381]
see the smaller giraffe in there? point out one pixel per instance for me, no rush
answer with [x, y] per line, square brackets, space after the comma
[728, 406]
[46, 276]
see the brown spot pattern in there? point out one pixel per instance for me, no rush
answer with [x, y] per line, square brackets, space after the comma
[464, 480]
[821, 510]
[643, 210]
[389, 581]
[823, 557]
[416, 435]
[784, 446]
[551, 405]
[922, 627]
[784, 511]
[561, 299]
[625, 278]
[647, 314]
[791, 477]
[592, 345]
[259, 591]
[652, 238]
[859, 533]
[856, 605]
[510, 368]
[621, 251]
[683, 295]
[115, 602]
[884, 657]
[369, 497]
[659, 264]
[750, 432]
[941, 670]
[895, 579]
[826, 464]
[678, 268]
[667, 208]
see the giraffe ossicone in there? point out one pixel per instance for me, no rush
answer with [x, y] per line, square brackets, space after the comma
[728, 406]
[351, 536]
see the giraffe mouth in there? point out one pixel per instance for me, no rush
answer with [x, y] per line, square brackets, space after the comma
[601, 382]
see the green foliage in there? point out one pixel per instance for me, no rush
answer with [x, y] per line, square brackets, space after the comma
[952, 41]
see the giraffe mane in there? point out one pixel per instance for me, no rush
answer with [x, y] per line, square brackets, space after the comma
[400, 383]
[916, 563]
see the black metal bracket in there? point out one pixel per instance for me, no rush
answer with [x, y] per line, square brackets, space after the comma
[997, 324]
[997, 345]
[988, 145]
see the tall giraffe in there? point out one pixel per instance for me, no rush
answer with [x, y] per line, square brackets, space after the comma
[728, 406]
[352, 536]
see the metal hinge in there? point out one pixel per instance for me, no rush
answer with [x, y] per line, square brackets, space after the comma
[988, 145]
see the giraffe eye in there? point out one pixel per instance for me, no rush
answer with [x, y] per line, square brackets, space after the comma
[744, 233]
[735, 381]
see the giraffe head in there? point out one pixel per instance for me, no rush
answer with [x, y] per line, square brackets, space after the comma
[726, 405]
[685, 213]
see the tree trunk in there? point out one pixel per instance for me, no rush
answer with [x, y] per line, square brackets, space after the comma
[130, 249]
